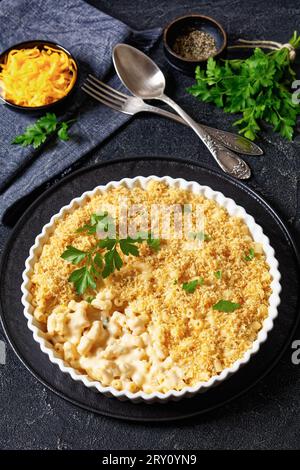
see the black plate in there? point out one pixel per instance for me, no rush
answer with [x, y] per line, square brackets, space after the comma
[20, 337]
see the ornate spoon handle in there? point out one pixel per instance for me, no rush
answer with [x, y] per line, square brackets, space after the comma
[233, 141]
[227, 160]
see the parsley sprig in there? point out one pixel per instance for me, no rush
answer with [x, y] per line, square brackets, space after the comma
[191, 286]
[226, 306]
[258, 87]
[38, 133]
[103, 258]
[250, 255]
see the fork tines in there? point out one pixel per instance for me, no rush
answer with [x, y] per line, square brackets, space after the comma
[103, 93]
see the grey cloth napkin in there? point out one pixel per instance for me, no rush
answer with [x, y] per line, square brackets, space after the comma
[90, 35]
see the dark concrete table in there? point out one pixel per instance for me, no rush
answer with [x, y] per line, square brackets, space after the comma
[31, 417]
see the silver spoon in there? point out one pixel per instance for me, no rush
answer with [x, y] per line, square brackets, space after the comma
[144, 79]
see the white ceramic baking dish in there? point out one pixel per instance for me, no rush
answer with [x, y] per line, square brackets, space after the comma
[234, 210]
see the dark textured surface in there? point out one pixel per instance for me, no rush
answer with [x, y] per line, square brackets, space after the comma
[268, 416]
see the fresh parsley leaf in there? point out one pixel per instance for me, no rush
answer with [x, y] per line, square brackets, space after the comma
[73, 255]
[154, 243]
[118, 263]
[21, 140]
[108, 243]
[92, 226]
[89, 299]
[63, 132]
[48, 122]
[112, 261]
[103, 258]
[250, 255]
[82, 280]
[95, 272]
[128, 247]
[191, 286]
[258, 87]
[37, 133]
[96, 264]
[226, 306]
[86, 228]
[95, 218]
[218, 274]
[98, 260]
[33, 135]
[109, 265]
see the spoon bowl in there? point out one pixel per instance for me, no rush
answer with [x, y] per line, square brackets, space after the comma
[145, 80]
[138, 72]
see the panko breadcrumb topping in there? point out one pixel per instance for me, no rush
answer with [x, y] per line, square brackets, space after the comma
[142, 330]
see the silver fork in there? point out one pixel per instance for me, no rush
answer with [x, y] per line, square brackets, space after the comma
[133, 105]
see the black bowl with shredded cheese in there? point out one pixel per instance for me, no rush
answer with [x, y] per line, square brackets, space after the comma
[190, 40]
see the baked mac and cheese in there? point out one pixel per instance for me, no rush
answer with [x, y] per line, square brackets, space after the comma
[159, 322]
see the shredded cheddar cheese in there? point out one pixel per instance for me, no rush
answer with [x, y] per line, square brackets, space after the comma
[34, 77]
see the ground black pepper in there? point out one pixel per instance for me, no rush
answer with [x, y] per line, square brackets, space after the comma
[195, 45]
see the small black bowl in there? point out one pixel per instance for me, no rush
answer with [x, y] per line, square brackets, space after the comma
[40, 44]
[180, 26]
